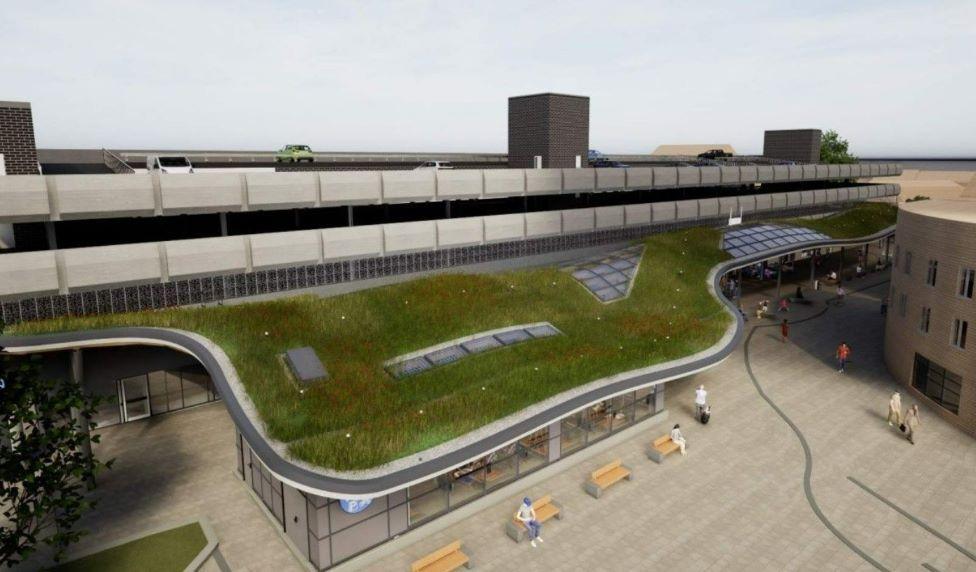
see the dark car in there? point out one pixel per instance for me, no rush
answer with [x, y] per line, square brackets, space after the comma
[604, 163]
[714, 154]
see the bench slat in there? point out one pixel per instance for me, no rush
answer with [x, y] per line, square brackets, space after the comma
[439, 554]
[605, 469]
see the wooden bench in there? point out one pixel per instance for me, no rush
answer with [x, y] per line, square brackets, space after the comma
[662, 447]
[443, 560]
[605, 476]
[545, 508]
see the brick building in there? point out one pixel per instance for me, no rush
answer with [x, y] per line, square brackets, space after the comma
[801, 145]
[17, 138]
[551, 125]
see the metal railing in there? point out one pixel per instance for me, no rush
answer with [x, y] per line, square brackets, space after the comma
[116, 163]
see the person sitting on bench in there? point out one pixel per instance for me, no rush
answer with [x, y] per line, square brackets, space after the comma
[526, 514]
[678, 438]
[799, 293]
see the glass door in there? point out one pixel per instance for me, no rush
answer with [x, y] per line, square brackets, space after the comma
[135, 398]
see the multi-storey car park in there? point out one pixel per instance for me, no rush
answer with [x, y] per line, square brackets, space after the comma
[434, 391]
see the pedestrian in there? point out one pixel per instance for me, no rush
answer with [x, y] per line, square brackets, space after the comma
[706, 414]
[759, 311]
[911, 423]
[784, 304]
[841, 292]
[799, 293]
[678, 438]
[842, 354]
[526, 515]
[884, 306]
[784, 329]
[894, 409]
[701, 397]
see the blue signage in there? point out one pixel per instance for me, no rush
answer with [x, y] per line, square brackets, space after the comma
[353, 506]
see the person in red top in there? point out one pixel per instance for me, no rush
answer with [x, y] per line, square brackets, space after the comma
[843, 353]
[784, 329]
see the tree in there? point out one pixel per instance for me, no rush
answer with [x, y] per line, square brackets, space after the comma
[833, 149]
[45, 460]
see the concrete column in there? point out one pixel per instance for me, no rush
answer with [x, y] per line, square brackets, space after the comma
[349, 214]
[555, 432]
[840, 271]
[779, 279]
[52, 238]
[813, 270]
[223, 224]
[447, 209]
[77, 376]
[659, 398]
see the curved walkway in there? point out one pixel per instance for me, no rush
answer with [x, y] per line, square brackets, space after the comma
[424, 465]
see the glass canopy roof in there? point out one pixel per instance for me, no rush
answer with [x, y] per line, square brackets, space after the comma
[753, 239]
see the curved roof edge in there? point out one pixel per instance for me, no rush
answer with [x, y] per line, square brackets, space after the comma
[315, 482]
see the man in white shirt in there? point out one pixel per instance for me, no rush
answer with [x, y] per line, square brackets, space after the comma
[526, 514]
[678, 438]
[700, 397]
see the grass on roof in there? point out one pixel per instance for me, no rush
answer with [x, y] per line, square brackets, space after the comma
[168, 551]
[669, 314]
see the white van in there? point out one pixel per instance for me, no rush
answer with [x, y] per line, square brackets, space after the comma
[169, 164]
[434, 165]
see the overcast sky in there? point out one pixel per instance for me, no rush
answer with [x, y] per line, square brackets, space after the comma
[895, 78]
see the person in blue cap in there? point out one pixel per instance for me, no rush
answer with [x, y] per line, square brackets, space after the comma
[526, 514]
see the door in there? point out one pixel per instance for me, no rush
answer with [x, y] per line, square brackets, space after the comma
[135, 398]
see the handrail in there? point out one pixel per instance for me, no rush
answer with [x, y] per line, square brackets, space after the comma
[116, 163]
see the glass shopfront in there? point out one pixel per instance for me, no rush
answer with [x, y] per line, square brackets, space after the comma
[339, 529]
[156, 392]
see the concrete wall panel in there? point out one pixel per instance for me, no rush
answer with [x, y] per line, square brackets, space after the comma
[350, 187]
[205, 255]
[748, 174]
[504, 182]
[201, 192]
[543, 224]
[708, 207]
[285, 248]
[640, 177]
[504, 227]
[806, 197]
[408, 186]
[764, 173]
[809, 172]
[833, 171]
[637, 214]
[781, 173]
[665, 177]
[689, 176]
[105, 195]
[796, 172]
[747, 204]
[856, 170]
[460, 232]
[459, 184]
[821, 171]
[579, 180]
[28, 272]
[577, 220]
[409, 236]
[710, 175]
[663, 212]
[779, 200]
[687, 209]
[730, 175]
[356, 241]
[844, 171]
[819, 196]
[609, 217]
[875, 170]
[276, 190]
[117, 264]
[830, 195]
[728, 204]
[543, 181]
[23, 196]
[764, 202]
[610, 179]
[843, 194]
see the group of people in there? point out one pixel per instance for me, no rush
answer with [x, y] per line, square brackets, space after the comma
[907, 423]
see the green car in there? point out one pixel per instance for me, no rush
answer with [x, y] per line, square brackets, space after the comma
[294, 154]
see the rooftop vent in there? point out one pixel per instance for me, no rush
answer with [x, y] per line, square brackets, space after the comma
[305, 365]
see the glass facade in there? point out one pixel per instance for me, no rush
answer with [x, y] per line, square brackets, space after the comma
[339, 530]
[158, 392]
[937, 383]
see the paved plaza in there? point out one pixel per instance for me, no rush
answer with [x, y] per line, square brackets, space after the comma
[736, 502]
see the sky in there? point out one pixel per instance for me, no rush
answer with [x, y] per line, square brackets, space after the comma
[895, 78]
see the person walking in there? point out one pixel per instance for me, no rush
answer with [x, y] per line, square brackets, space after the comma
[894, 409]
[911, 423]
[842, 354]
[526, 515]
[784, 304]
[841, 292]
[784, 330]
[701, 398]
[678, 438]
